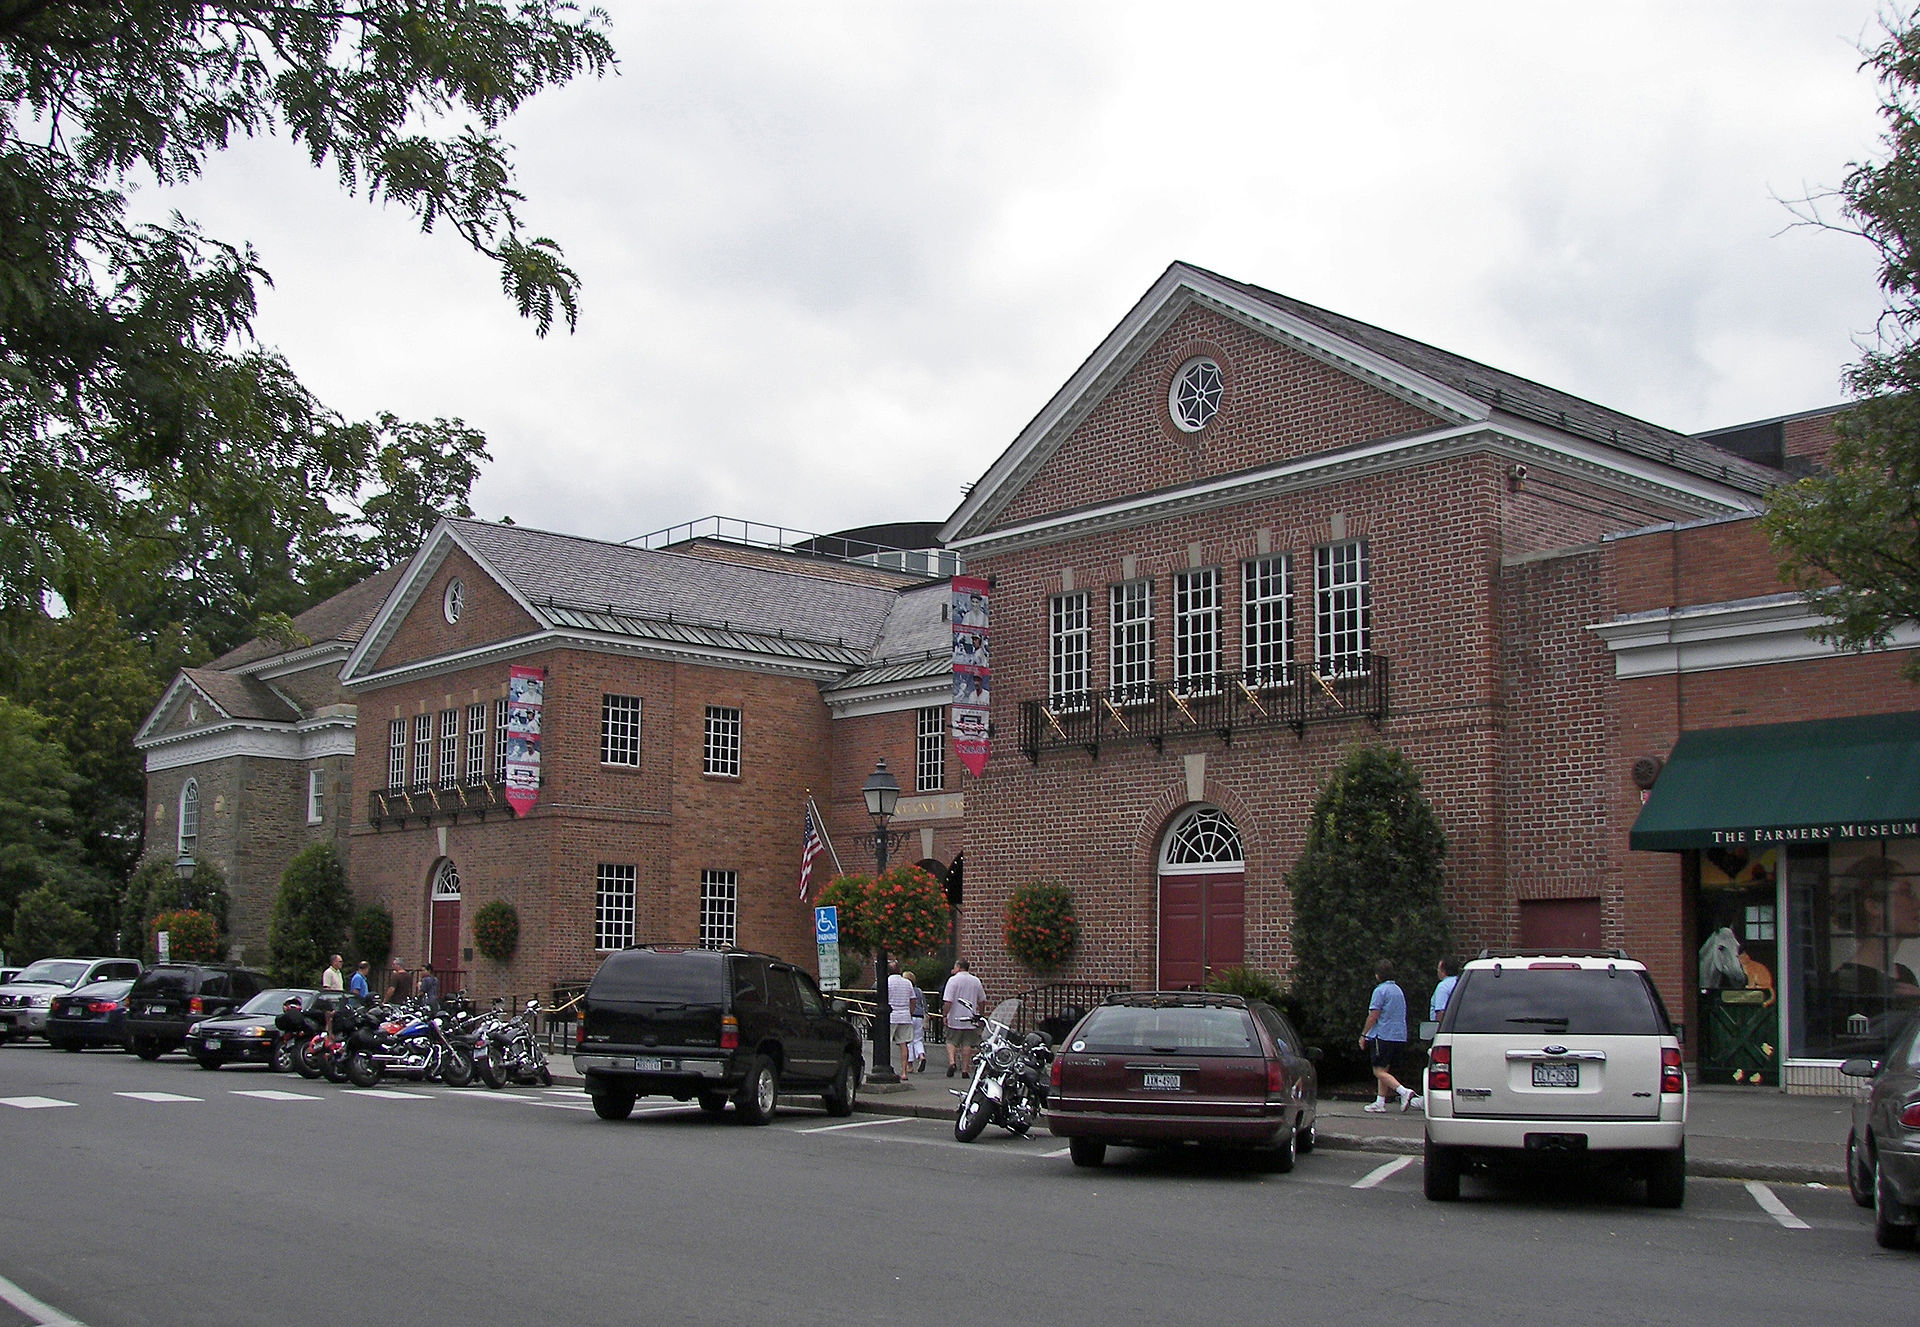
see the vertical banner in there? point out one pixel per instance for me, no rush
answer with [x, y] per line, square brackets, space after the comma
[971, 672]
[526, 692]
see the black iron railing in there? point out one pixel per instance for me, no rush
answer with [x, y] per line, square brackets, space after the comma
[1219, 705]
[404, 804]
[1054, 1008]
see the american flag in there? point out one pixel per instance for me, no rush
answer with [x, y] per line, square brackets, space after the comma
[810, 848]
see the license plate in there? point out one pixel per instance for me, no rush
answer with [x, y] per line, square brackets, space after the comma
[213, 1043]
[1161, 1082]
[1555, 1073]
[154, 1009]
[646, 1064]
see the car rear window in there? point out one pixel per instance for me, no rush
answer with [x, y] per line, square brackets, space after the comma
[169, 979]
[1124, 1029]
[649, 976]
[1587, 1002]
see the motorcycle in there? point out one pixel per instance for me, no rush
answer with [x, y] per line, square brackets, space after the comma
[1009, 1084]
[410, 1043]
[507, 1050]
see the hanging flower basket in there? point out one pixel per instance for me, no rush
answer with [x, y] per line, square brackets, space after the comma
[496, 930]
[1041, 928]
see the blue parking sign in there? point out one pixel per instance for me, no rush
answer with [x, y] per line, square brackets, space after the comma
[826, 925]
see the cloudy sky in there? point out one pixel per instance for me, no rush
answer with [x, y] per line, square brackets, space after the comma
[837, 254]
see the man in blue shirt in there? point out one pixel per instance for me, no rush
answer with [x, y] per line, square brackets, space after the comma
[1384, 1037]
[358, 985]
[1449, 977]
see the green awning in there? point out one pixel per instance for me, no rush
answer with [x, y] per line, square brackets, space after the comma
[1816, 782]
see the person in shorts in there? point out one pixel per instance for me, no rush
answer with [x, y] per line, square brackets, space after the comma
[900, 1016]
[960, 1011]
[1384, 1037]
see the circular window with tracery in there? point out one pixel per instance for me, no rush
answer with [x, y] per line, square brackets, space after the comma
[446, 881]
[1194, 398]
[455, 601]
[1203, 837]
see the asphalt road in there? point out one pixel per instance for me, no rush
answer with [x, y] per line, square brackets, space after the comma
[322, 1205]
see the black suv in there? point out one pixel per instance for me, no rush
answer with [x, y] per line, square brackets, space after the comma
[170, 996]
[712, 1025]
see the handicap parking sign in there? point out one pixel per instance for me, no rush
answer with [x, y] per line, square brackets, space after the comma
[826, 925]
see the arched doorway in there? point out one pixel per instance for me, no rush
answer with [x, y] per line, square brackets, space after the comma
[1203, 898]
[443, 927]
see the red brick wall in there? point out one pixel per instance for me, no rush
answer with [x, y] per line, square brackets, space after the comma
[488, 614]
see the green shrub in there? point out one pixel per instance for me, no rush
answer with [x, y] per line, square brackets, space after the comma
[310, 915]
[373, 934]
[46, 925]
[496, 930]
[1247, 982]
[1041, 927]
[848, 895]
[156, 887]
[192, 936]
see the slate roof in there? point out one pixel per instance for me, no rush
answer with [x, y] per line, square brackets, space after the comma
[916, 642]
[345, 617]
[242, 697]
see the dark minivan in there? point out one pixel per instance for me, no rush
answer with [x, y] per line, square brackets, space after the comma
[170, 996]
[712, 1025]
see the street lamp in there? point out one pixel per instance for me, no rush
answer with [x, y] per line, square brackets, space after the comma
[184, 867]
[882, 792]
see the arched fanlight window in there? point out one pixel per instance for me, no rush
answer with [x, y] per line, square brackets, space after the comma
[446, 880]
[189, 814]
[1203, 837]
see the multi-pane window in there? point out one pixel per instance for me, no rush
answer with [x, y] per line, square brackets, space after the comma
[1343, 595]
[397, 754]
[723, 741]
[476, 770]
[1266, 616]
[1070, 651]
[316, 796]
[1133, 641]
[719, 908]
[499, 739]
[1196, 630]
[189, 815]
[422, 750]
[449, 747]
[930, 751]
[613, 892]
[619, 730]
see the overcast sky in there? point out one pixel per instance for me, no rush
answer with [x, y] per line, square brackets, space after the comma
[837, 255]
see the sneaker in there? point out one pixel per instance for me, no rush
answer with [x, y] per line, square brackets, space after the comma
[1412, 1101]
[1376, 1107]
[950, 1069]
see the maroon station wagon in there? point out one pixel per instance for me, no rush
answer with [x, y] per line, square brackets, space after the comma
[1163, 1068]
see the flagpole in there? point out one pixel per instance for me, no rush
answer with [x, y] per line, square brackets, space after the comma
[820, 823]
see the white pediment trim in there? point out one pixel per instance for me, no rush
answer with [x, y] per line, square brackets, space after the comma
[1742, 633]
[169, 702]
[311, 739]
[891, 697]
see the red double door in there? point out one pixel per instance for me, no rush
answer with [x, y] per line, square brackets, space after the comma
[443, 939]
[1203, 927]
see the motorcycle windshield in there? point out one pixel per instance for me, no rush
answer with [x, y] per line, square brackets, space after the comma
[1005, 1012]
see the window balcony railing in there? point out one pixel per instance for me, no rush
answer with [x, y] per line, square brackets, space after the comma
[451, 800]
[1220, 704]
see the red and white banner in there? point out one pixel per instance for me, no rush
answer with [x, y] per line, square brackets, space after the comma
[526, 693]
[971, 673]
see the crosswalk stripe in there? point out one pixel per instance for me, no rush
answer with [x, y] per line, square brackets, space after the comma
[1379, 1173]
[272, 1094]
[1770, 1204]
[33, 1103]
[388, 1094]
[157, 1096]
[858, 1124]
[1058, 1152]
[46, 1315]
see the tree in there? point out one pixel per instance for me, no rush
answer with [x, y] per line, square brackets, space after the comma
[192, 936]
[310, 915]
[373, 934]
[1367, 887]
[38, 848]
[46, 925]
[155, 888]
[128, 376]
[1849, 538]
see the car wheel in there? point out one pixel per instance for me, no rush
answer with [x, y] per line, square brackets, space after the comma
[713, 1103]
[838, 1098]
[614, 1103]
[1279, 1159]
[1440, 1173]
[1887, 1232]
[1304, 1139]
[280, 1060]
[147, 1048]
[208, 1061]
[759, 1093]
[1859, 1172]
[1667, 1179]
[63, 1044]
[1089, 1152]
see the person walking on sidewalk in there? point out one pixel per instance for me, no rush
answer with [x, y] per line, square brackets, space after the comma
[917, 1048]
[900, 1016]
[962, 1000]
[1449, 972]
[1384, 1037]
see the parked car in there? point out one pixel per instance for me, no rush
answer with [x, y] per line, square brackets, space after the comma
[171, 997]
[95, 1015]
[712, 1026]
[1164, 1068]
[1562, 1055]
[25, 1000]
[249, 1035]
[1883, 1146]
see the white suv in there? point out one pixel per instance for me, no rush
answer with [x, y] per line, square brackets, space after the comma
[1556, 1054]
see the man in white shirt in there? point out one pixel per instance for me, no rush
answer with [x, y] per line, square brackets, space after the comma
[961, 1013]
[332, 979]
[899, 1016]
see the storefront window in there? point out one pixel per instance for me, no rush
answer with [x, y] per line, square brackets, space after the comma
[1853, 912]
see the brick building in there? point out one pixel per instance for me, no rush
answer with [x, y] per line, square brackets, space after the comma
[1249, 533]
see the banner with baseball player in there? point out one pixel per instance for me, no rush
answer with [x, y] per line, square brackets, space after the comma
[971, 672]
[526, 692]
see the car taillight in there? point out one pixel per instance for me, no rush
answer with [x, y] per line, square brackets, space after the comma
[101, 1006]
[1053, 1074]
[1440, 1069]
[1672, 1080]
[580, 1033]
[196, 1005]
[1276, 1078]
[1910, 1117]
[729, 1033]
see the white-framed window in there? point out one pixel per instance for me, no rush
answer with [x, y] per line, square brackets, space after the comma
[723, 742]
[189, 814]
[1132, 640]
[930, 751]
[1343, 608]
[397, 754]
[1194, 397]
[613, 894]
[719, 908]
[316, 796]
[1266, 617]
[476, 768]
[499, 739]
[449, 747]
[422, 751]
[619, 730]
[1196, 630]
[1070, 650]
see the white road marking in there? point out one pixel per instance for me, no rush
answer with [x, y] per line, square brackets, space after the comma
[388, 1094]
[157, 1096]
[44, 1314]
[273, 1094]
[857, 1124]
[1770, 1204]
[1379, 1173]
[1058, 1152]
[33, 1103]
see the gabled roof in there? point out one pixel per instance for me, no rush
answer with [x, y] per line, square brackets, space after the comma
[241, 697]
[342, 618]
[916, 643]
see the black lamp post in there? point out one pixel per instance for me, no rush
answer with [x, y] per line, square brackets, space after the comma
[882, 792]
[184, 867]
